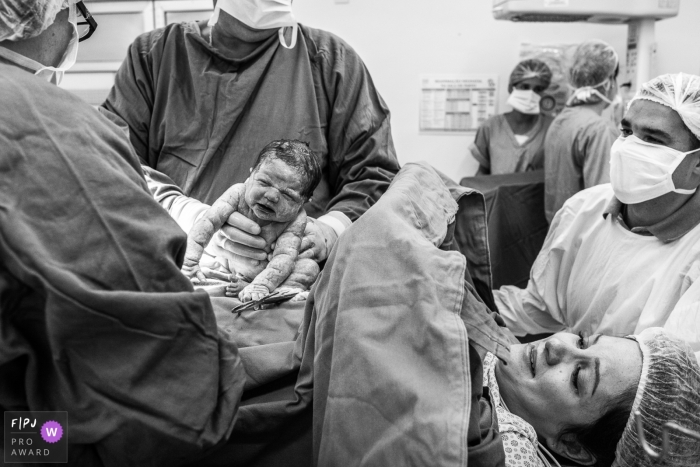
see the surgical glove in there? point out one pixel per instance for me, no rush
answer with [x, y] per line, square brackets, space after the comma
[238, 241]
[318, 240]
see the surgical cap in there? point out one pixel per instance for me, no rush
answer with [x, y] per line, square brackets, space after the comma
[679, 91]
[668, 391]
[530, 68]
[23, 19]
[594, 62]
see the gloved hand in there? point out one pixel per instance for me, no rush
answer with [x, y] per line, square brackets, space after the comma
[318, 240]
[239, 239]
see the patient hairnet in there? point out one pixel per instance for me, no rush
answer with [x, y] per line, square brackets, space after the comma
[530, 68]
[669, 391]
[594, 62]
[22, 19]
[679, 91]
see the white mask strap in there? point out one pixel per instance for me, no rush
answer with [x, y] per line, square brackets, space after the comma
[283, 41]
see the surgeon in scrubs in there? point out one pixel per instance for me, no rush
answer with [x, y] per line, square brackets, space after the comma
[96, 318]
[201, 99]
[514, 141]
[577, 144]
[625, 256]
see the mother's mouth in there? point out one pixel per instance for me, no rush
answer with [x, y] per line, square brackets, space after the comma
[533, 360]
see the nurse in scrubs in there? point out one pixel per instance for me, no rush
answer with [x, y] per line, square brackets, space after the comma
[513, 141]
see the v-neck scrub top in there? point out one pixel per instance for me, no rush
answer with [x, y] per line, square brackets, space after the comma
[497, 149]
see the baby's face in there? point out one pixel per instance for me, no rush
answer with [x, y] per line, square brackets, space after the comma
[273, 191]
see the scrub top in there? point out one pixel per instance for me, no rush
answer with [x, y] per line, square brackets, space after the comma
[96, 318]
[198, 119]
[498, 150]
[577, 155]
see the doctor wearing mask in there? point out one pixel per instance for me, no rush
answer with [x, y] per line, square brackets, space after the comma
[199, 100]
[625, 256]
[513, 141]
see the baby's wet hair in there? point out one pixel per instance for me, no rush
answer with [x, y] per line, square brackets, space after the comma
[297, 155]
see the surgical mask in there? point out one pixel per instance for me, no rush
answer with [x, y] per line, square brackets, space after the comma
[525, 101]
[55, 74]
[260, 14]
[641, 171]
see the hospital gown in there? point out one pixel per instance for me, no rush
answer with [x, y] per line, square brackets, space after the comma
[595, 275]
[576, 155]
[498, 151]
[519, 437]
[198, 119]
[95, 317]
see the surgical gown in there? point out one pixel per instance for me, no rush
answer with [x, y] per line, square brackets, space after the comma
[595, 275]
[497, 150]
[199, 119]
[95, 317]
[576, 155]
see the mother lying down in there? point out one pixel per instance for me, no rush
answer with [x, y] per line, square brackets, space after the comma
[408, 327]
[573, 396]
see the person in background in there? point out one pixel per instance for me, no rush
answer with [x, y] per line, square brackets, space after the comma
[513, 141]
[200, 98]
[625, 256]
[96, 318]
[577, 144]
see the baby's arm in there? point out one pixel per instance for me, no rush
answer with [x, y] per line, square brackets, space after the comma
[206, 226]
[282, 263]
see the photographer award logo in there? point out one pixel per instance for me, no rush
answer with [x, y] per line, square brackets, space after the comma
[36, 437]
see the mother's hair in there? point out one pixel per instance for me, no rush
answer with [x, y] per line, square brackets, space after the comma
[601, 437]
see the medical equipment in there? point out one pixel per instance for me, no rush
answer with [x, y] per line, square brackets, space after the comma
[667, 429]
[274, 298]
[639, 15]
[592, 11]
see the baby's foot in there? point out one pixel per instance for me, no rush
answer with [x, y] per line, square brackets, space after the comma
[253, 292]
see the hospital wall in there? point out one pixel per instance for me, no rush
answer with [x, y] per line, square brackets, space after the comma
[399, 40]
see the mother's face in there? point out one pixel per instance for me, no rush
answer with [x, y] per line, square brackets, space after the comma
[566, 379]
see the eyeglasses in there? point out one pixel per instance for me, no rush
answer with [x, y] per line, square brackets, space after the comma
[86, 28]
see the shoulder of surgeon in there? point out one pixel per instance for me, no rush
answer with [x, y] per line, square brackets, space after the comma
[146, 42]
[324, 44]
[584, 208]
[30, 102]
[585, 120]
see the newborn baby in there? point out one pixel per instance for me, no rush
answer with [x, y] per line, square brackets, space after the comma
[282, 180]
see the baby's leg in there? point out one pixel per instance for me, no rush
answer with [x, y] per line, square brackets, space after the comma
[303, 275]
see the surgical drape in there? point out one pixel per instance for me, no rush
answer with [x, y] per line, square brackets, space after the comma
[95, 317]
[198, 119]
[387, 353]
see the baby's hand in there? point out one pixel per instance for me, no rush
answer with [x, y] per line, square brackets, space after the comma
[194, 273]
[253, 292]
